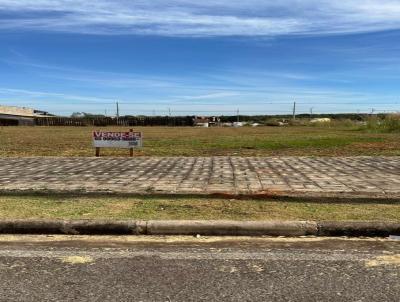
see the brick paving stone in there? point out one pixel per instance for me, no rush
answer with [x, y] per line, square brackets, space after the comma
[234, 175]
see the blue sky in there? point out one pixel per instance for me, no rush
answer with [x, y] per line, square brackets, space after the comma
[200, 57]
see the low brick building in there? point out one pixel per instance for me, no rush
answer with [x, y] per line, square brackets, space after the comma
[19, 116]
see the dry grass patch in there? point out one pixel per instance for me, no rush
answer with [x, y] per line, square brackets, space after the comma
[190, 141]
[108, 207]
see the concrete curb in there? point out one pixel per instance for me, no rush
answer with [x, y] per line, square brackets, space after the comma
[72, 227]
[358, 228]
[206, 228]
[232, 228]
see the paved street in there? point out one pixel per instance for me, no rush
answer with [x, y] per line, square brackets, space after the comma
[300, 175]
[178, 269]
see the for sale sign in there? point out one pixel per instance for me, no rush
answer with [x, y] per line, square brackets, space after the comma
[107, 139]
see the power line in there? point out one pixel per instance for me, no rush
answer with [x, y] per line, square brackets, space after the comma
[178, 103]
[368, 110]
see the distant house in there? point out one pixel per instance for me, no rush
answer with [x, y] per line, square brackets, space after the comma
[215, 121]
[19, 116]
[201, 121]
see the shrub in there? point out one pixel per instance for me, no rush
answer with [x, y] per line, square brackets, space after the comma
[392, 123]
[389, 123]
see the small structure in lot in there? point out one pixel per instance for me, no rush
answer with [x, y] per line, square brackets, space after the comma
[201, 121]
[238, 124]
[227, 124]
[19, 116]
[215, 121]
[320, 120]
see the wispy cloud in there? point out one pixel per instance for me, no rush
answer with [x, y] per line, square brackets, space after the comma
[201, 18]
[217, 91]
[41, 94]
[209, 96]
[97, 78]
[222, 86]
[221, 83]
[257, 101]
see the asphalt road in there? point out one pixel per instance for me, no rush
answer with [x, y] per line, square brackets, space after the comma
[196, 269]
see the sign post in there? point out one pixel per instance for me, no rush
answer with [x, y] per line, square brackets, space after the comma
[107, 139]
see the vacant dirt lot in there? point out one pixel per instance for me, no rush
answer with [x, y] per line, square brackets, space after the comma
[187, 141]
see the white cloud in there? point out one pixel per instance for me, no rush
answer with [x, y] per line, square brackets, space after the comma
[210, 96]
[201, 18]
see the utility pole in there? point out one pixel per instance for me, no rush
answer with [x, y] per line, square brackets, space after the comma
[237, 115]
[117, 112]
[169, 111]
[311, 112]
[105, 112]
[294, 110]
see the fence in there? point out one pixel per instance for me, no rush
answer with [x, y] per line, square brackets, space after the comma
[176, 120]
[122, 121]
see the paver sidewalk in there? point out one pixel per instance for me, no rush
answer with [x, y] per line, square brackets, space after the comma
[370, 176]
